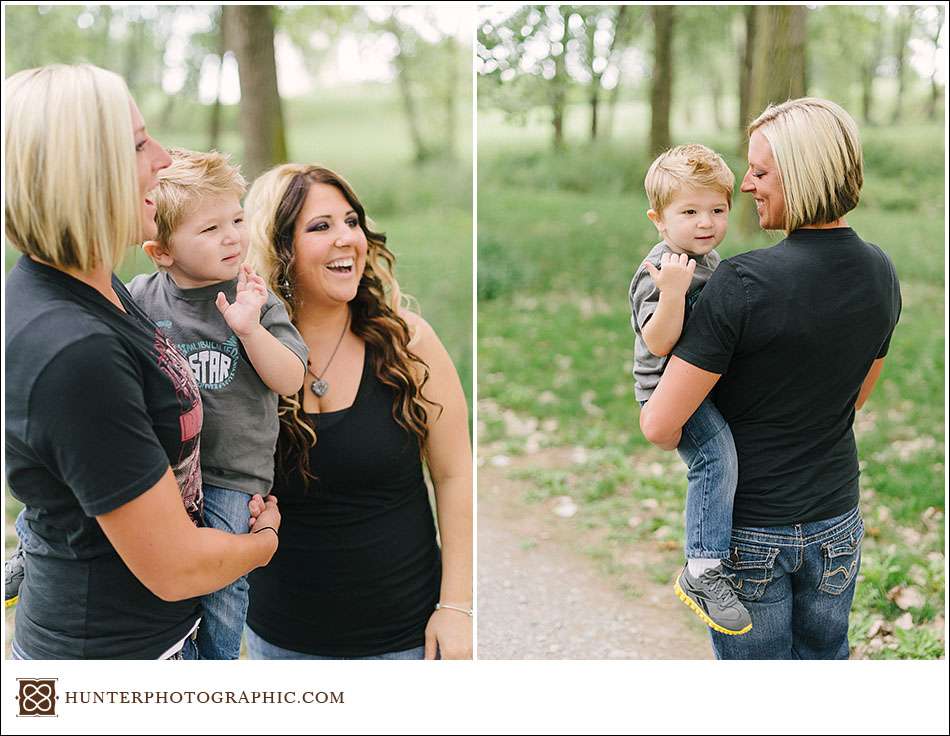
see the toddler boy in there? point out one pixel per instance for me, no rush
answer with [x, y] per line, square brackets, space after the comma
[690, 191]
[241, 346]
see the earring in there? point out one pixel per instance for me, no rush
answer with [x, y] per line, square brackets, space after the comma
[284, 286]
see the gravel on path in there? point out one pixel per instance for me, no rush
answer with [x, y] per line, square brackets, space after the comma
[539, 599]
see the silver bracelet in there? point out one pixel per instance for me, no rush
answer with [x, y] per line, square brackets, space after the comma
[467, 611]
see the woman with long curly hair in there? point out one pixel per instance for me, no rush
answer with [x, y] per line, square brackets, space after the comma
[359, 573]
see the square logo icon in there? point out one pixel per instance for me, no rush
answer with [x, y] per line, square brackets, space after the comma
[37, 697]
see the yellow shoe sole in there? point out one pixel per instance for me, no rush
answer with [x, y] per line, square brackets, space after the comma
[12, 602]
[702, 614]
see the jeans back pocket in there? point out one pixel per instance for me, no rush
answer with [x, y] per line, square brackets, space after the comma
[842, 557]
[752, 567]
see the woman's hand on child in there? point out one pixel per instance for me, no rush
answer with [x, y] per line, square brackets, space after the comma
[258, 507]
[255, 506]
[244, 315]
[674, 275]
[263, 512]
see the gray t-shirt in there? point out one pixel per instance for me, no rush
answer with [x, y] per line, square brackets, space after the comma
[644, 299]
[240, 429]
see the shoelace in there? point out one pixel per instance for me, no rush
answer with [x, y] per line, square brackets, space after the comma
[722, 584]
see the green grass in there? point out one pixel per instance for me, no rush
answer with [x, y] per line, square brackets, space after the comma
[560, 235]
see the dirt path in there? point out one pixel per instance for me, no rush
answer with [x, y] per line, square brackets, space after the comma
[540, 599]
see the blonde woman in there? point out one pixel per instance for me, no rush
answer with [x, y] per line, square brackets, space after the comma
[359, 574]
[793, 339]
[103, 416]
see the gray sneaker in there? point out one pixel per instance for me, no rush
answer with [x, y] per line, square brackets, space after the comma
[13, 577]
[712, 598]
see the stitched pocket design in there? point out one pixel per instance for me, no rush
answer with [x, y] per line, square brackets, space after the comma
[752, 566]
[842, 558]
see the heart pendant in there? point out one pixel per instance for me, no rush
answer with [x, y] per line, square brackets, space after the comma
[320, 387]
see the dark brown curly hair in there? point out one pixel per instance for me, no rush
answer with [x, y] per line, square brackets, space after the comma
[272, 207]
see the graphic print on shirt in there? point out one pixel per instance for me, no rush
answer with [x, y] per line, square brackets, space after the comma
[188, 467]
[214, 364]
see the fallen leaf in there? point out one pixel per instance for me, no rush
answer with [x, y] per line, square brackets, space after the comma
[649, 503]
[875, 628]
[909, 598]
[565, 508]
[905, 622]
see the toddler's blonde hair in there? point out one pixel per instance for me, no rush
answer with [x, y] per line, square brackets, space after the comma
[192, 177]
[690, 166]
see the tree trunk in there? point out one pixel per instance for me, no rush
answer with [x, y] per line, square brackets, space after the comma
[404, 83]
[780, 38]
[410, 109]
[902, 31]
[716, 91]
[934, 85]
[597, 77]
[661, 92]
[132, 66]
[214, 117]
[612, 107]
[745, 71]
[102, 48]
[869, 71]
[450, 101]
[616, 52]
[251, 31]
[559, 83]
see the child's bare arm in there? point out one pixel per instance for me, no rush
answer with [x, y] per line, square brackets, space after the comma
[278, 366]
[673, 278]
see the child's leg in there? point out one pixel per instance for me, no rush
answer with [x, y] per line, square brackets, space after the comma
[223, 612]
[703, 585]
[13, 566]
[709, 451]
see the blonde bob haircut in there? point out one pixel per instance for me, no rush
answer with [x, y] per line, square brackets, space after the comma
[690, 166]
[818, 154]
[71, 186]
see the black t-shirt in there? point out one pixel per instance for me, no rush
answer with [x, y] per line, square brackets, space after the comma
[99, 404]
[358, 569]
[794, 329]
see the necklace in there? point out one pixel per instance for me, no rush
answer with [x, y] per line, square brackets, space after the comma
[320, 386]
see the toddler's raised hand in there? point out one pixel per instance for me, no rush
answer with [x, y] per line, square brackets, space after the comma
[244, 315]
[675, 273]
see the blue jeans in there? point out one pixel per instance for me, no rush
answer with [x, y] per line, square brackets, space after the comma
[224, 611]
[258, 648]
[709, 452]
[798, 583]
[28, 541]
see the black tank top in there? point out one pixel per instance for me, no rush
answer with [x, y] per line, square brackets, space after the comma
[357, 571]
